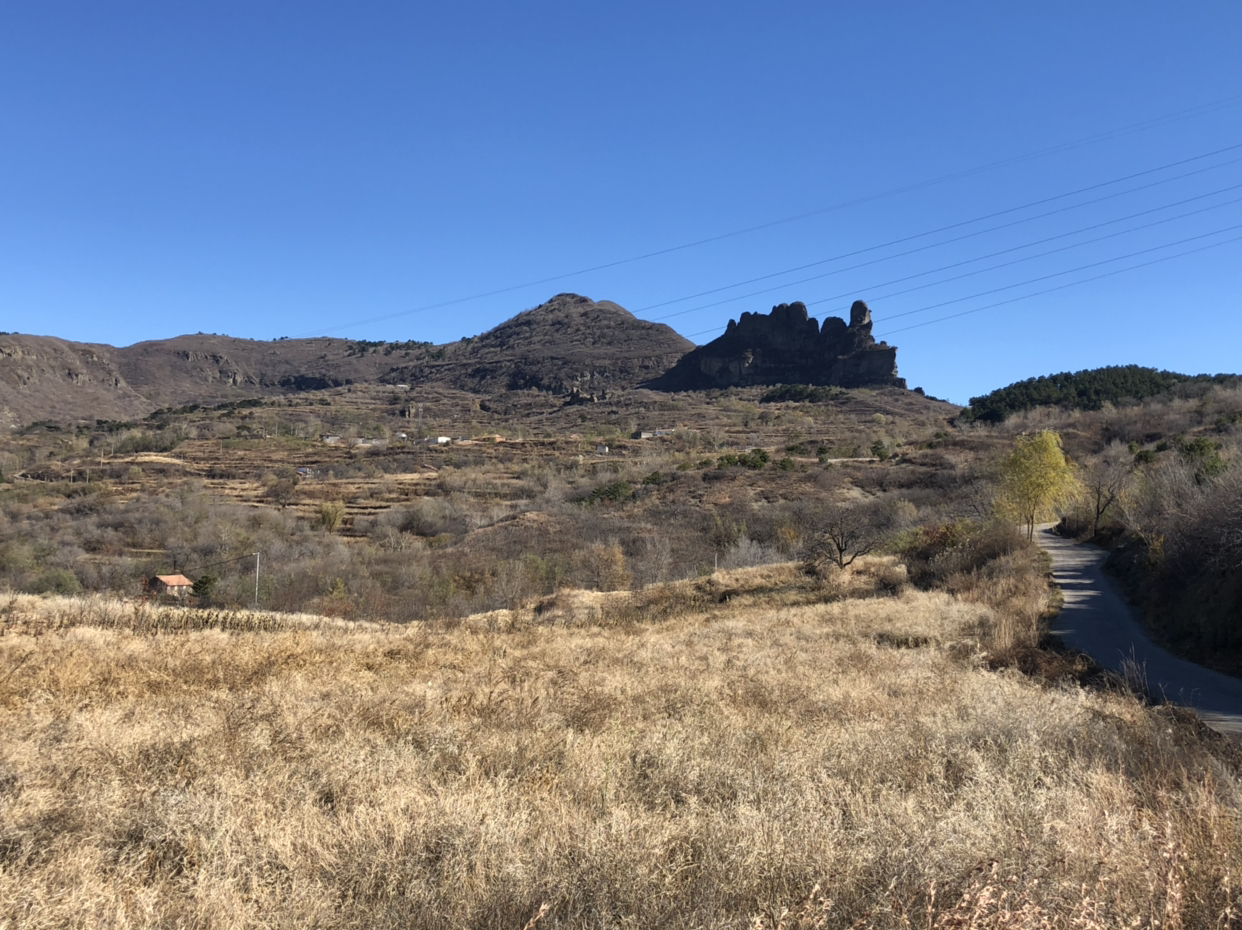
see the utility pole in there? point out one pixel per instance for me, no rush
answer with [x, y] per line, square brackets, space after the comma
[256, 581]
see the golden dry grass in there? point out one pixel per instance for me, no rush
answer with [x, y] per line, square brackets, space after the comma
[799, 765]
[38, 614]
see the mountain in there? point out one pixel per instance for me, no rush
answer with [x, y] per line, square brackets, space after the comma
[206, 368]
[570, 345]
[787, 346]
[42, 377]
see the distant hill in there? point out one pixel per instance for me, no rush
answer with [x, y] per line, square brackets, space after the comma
[43, 377]
[1088, 389]
[569, 345]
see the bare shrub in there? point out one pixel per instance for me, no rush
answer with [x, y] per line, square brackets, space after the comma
[746, 553]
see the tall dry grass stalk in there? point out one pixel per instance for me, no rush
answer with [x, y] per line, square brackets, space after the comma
[849, 763]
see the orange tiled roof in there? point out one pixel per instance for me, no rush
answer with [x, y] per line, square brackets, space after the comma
[176, 581]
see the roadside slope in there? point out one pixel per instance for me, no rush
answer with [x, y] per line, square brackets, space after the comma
[1097, 620]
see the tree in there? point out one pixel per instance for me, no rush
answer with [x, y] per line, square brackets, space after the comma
[205, 587]
[282, 486]
[1105, 480]
[330, 514]
[843, 532]
[1036, 478]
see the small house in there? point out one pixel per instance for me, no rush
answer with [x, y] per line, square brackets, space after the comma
[172, 585]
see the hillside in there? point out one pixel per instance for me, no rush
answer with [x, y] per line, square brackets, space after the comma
[569, 344]
[43, 377]
[750, 749]
[1089, 389]
[205, 368]
[593, 656]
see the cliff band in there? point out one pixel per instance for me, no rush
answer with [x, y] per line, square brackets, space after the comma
[787, 346]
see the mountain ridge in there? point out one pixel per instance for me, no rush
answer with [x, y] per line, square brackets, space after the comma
[567, 345]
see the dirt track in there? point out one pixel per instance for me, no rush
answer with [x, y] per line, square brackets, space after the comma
[1097, 620]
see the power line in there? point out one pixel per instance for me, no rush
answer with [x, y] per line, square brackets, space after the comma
[248, 555]
[1057, 274]
[1046, 277]
[1061, 287]
[1027, 258]
[1156, 122]
[935, 245]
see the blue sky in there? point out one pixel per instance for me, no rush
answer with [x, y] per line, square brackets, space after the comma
[270, 169]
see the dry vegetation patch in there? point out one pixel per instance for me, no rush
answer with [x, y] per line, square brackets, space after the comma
[709, 769]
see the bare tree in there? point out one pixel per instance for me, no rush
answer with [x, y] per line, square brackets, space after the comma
[1105, 480]
[843, 532]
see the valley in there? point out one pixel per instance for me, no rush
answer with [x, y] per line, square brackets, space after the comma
[523, 650]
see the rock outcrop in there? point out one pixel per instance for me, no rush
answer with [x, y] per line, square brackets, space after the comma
[41, 376]
[787, 346]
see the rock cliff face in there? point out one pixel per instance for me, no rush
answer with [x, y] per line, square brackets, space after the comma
[787, 346]
[41, 376]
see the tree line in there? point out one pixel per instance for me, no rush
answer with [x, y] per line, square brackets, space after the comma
[1088, 389]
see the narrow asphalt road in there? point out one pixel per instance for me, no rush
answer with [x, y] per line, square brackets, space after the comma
[1097, 620]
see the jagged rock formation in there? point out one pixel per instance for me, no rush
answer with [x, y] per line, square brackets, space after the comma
[787, 346]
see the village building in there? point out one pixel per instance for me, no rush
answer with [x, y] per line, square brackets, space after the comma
[172, 585]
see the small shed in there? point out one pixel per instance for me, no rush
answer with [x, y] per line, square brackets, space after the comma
[173, 585]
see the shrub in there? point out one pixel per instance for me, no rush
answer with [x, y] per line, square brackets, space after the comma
[755, 459]
[804, 393]
[56, 581]
[616, 493]
[330, 514]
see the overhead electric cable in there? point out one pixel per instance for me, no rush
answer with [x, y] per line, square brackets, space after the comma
[1061, 287]
[1057, 274]
[1027, 258]
[1046, 277]
[1156, 122]
[934, 245]
[1037, 293]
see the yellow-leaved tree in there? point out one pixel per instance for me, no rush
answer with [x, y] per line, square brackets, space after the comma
[1036, 478]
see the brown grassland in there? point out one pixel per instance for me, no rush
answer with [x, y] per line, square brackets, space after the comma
[755, 748]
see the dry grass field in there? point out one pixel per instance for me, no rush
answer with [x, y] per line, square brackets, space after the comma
[743, 750]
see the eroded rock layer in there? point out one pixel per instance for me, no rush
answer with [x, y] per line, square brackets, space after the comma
[787, 346]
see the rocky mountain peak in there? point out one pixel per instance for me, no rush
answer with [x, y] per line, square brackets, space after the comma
[788, 346]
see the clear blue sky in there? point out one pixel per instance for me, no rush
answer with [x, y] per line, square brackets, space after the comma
[265, 169]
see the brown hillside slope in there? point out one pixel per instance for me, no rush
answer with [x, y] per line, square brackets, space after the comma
[206, 368]
[569, 343]
[41, 376]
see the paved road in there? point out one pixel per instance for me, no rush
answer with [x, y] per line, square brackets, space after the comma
[1097, 620]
